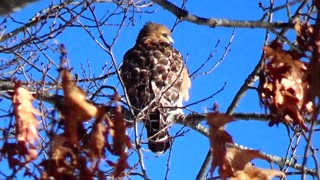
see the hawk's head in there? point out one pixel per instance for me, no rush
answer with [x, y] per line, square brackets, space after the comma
[156, 32]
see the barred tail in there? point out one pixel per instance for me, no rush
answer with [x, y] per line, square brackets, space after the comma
[159, 139]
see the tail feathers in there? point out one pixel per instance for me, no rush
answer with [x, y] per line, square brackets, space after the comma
[159, 139]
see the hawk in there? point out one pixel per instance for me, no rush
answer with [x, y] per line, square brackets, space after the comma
[156, 82]
[7, 6]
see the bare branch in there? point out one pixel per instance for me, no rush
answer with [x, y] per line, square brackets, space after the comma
[214, 22]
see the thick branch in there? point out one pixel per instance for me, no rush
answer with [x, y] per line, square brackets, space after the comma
[214, 22]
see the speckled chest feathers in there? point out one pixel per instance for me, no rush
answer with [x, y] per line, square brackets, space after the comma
[156, 82]
[154, 74]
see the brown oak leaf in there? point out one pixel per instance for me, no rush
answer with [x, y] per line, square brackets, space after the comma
[76, 104]
[26, 123]
[76, 108]
[283, 86]
[233, 162]
[121, 141]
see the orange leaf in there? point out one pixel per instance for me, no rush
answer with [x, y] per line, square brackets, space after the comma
[218, 120]
[76, 108]
[218, 137]
[97, 140]
[120, 138]
[233, 162]
[60, 148]
[26, 124]
[75, 100]
[121, 141]
[241, 168]
[283, 86]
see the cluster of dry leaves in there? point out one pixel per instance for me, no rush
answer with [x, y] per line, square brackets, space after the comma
[233, 162]
[73, 150]
[25, 129]
[288, 87]
[286, 83]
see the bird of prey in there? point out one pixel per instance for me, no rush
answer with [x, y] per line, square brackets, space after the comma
[7, 6]
[156, 82]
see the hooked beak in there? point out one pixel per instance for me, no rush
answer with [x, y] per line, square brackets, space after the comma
[170, 39]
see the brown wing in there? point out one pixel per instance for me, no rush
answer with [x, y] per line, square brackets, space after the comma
[150, 68]
[154, 75]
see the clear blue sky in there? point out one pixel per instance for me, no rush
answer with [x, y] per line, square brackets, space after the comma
[197, 42]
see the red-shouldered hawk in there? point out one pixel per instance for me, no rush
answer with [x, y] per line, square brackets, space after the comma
[156, 82]
[7, 6]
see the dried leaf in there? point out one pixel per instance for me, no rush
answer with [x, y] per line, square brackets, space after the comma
[76, 108]
[238, 165]
[75, 100]
[304, 35]
[232, 161]
[121, 141]
[218, 137]
[56, 169]
[308, 40]
[121, 165]
[60, 149]
[218, 120]
[97, 140]
[63, 159]
[253, 173]
[26, 124]
[283, 86]
[11, 149]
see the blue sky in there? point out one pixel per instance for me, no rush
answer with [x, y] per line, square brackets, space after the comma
[197, 42]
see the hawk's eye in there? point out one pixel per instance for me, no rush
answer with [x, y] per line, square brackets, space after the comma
[165, 35]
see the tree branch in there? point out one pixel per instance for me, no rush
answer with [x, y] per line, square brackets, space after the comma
[215, 22]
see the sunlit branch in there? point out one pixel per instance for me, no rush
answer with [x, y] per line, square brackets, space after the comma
[216, 22]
